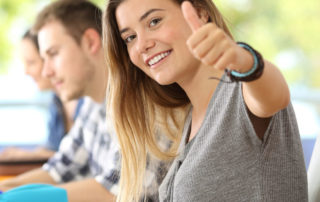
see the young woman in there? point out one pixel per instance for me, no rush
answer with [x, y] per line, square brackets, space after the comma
[240, 139]
[61, 115]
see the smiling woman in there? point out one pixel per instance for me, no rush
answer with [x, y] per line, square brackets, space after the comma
[139, 39]
[33, 63]
[161, 54]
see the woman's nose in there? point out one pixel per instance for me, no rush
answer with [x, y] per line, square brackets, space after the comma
[144, 44]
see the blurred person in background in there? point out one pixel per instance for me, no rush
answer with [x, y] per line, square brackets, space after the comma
[87, 163]
[61, 114]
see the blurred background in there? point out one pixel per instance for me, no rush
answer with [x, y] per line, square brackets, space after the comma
[286, 32]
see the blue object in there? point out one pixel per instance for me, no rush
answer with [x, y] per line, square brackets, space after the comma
[56, 125]
[35, 193]
[255, 65]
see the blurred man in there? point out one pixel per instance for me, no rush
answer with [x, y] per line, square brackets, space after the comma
[87, 163]
[61, 114]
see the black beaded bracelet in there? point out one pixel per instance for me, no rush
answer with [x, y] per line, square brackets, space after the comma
[254, 73]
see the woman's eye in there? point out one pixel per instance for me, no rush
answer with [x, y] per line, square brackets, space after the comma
[129, 38]
[154, 22]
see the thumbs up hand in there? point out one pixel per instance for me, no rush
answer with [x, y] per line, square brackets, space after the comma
[212, 46]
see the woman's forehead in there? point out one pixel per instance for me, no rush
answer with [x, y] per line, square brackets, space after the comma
[133, 10]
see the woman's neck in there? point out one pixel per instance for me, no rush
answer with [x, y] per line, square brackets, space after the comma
[200, 89]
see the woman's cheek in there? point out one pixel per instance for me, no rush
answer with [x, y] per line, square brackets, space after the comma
[134, 59]
[170, 36]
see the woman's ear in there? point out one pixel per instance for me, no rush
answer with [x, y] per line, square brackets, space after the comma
[91, 40]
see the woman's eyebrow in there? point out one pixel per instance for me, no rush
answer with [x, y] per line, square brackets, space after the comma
[123, 30]
[146, 14]
[149, 12]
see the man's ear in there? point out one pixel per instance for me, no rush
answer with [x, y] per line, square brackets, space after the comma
[91, 40]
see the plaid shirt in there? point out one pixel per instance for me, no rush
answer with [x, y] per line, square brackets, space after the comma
[91, 150]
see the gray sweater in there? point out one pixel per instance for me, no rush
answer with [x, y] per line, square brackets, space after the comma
[226, 161]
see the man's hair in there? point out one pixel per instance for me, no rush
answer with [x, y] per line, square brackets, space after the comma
[75, 15]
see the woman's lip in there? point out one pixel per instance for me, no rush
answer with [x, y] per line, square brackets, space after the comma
[155, 55]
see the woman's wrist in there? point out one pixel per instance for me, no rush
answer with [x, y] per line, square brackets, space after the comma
[254, 72]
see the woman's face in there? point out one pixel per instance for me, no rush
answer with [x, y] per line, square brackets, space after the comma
[155, 33]
[33, 64]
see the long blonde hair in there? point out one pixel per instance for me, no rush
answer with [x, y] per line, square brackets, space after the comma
[139, 106]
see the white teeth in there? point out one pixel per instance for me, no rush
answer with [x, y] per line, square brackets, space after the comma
[158, 58]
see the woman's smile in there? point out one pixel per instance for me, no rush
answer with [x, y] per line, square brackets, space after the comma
[154, 60]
